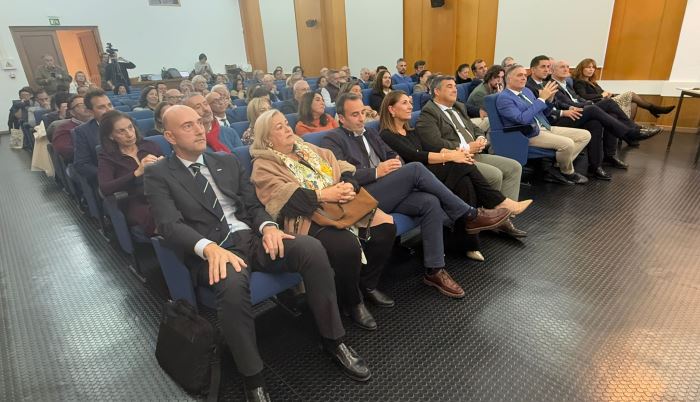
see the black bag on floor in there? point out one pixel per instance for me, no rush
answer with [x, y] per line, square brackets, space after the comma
[188, 349]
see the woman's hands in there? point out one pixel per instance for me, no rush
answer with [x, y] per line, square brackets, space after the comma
[340, 192]
[147, 160]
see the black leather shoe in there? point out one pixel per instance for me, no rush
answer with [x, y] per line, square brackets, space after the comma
[352, 364]
[362, 317]
[378, 298]
[659, 110]
[615, 162]
[576, 178]
[257, 395]
[553, 175]
[507, 228]
[601, 174]
[650, 131]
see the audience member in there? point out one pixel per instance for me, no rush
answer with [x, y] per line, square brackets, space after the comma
[19, 112]
[219, 139]
[148, 99]
[117, 73]
[186, 87]
[255, 108]
[422, 85]
[222, 90]
[258, 92]
[365, 80]
[400, 76]
[479, 68]
[240, 238]
[278, 74]
[62, 139]
[454, 167]
[102, 67]
[462, 74]
[59, 108]
[355, 88]
[203, 68]
[334, 84]
[298, 69]
[238, 90]
[42, 100]
[121, 164]
[292, 178]
[293, 79]
[87, 135]
[418, 67]
[507, 62]
[381, 87]
[345, 72]
[493, 84]
[52, 77]
[158, 113]
[258, 76]
[221, 79]
[200, 85]
[322, 85]
[323, 72]
[292, 105]
[218, 106]
[80, 80]
[313, 116]
[518, 106]
[586, 86]
[268, 83]
[162, 89]
[411, 190]
[121, 90]
[174, 96]
[444, 124]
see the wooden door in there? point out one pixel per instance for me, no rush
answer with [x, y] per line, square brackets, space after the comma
[91, 53]
[32, 44]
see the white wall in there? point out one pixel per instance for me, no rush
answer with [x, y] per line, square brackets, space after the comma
[564, 29]
[137, 30]
[375, 33]
[686, 66]
[280, 33]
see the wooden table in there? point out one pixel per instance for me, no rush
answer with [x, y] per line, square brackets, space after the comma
[693, 93]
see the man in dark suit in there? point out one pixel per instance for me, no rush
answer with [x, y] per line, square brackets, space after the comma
[517, 105]
[411, 190]
[292, 105]
[87, 135]
[444, 124]
[205, 206]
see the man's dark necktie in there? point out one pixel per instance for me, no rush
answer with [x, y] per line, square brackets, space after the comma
[468, 137]
[539, 116]
[208, 194]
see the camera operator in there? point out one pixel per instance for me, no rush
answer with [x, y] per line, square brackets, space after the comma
[51, 77]
[116, 71]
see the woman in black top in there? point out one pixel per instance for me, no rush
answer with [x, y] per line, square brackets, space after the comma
[586, 86]
[380, 87]
[462, 74]
[454, 167]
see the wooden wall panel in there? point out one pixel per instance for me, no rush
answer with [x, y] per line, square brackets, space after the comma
[643, 38]
[458, 32]
[253, 34]
[324, 45]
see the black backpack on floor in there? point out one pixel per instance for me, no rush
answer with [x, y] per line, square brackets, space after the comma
[189, 350]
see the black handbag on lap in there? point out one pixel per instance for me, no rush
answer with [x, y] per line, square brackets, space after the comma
[188, 349]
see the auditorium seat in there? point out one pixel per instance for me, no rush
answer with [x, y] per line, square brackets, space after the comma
[240, 126]
[510, 142]
[403, 87]
[462, 95]
[414, 118]
[277, 105]
[365, 95]
[292, 119]
[240, 102]
[122, 108]
[141, 114]
[237, 114]
[330, 110]
[39, 115]
[145, 125]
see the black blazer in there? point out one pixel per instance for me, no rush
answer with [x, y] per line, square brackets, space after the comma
[436, 130]
[343, 145]
[87, 137]
[181, 215]
[588, 90]
[375, 100]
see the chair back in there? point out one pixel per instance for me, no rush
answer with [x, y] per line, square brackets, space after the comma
[165, 147]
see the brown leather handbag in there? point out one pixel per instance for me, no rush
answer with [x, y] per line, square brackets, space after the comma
[359, 211]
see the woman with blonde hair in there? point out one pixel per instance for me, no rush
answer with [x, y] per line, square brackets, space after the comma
[256, 107]
[292, 179]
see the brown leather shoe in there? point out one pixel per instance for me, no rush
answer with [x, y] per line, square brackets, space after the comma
[487, 219]
[444, 283]
[509, 229]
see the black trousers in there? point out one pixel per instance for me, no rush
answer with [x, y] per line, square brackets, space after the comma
[414, 191]
[469, 185]
[344, 251]
[304, 255]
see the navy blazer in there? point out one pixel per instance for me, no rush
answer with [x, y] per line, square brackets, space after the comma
[515, 111]
[341, 142]
[86, 139]
[563, 101]
[180, 212]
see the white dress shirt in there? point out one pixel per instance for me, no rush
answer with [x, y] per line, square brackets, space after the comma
[463, 143]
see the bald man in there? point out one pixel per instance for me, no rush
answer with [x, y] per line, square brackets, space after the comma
[205, 206]
[173, 96]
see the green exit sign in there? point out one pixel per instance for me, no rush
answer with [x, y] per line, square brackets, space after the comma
[54, 21]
